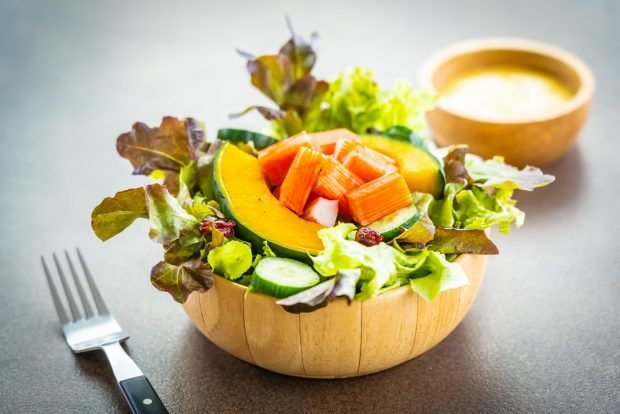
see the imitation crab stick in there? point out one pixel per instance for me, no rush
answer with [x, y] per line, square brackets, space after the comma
[325, 141]
[334, 182]
[322, 211]
[378, 198]
[276, 159]
[343, 148]
[368, 164]
[276, 192]
[301, 178]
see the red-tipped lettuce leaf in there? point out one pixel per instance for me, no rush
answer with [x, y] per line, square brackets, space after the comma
[115, 214]
[341, 285]
[168, 147]
[462, 241]
[181, 280]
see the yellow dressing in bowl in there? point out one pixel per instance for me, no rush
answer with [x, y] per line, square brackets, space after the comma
[504, 93]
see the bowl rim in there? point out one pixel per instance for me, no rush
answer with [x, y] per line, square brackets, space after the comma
[582, 96]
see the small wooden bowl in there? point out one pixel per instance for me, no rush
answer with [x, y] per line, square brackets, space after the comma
[535, 141]
[337, 341]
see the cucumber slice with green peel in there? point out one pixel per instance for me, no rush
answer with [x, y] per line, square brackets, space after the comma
[281, 278]
[396, 223]
[237, 136]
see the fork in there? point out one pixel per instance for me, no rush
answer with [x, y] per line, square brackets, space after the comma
[100, 331]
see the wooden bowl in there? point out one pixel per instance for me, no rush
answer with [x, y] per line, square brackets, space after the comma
[337, 341]
[534, 141]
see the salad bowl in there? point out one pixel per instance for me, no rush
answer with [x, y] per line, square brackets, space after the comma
[335, 244]
[338, 341]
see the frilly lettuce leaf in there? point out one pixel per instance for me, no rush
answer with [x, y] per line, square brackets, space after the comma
[166, 215]
[380, 265]
[285, 78]
[436, 274]
[450, 241]
[115, 214]
[341, 285]
[355, 101]
[168, 147]
[495, 173]
[442, 211]
[231, 260]
[479, 209]
[183, 279]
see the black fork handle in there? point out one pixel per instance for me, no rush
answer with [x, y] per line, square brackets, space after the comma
[141, 396]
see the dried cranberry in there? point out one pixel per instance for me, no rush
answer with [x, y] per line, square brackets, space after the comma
[226, 227]
[367, 236]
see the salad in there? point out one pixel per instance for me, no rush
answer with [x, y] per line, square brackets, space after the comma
[339, 196]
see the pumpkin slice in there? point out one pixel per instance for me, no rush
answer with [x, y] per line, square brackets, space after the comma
[420, 169]
[244, 196]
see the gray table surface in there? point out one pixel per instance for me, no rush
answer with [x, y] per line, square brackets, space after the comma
[543, 335]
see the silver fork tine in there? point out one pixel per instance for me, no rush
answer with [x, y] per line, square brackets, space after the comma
[85, 303]
[103, 310]
[72, 305]
[60, 309]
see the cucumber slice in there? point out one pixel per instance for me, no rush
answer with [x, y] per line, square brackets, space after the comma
[280, 277]
[242, 136]
[396, 223]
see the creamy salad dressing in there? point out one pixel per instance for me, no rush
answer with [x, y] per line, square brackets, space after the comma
[504, 93]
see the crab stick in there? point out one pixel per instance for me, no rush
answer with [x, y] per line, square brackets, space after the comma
[276, 159]
[325, 141]
[301, 178]
[378, 198]
[322, 211]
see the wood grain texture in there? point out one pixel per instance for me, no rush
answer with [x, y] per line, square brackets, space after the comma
[331, 339]
[537, 141]
[388, 330]
[222, 312]
[272, 335]
[337, 341]
[192, 308]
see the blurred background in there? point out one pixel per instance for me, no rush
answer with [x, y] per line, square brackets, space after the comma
[75, 74]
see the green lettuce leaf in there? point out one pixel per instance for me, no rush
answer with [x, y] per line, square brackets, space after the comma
[166, 215]
[341, 285]
[442, 211]
[480, 209]
[115, 214]
[495, 173]
[435, 275]
[380, 264]
[231, 260]
[355, 101]
[183, 279]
